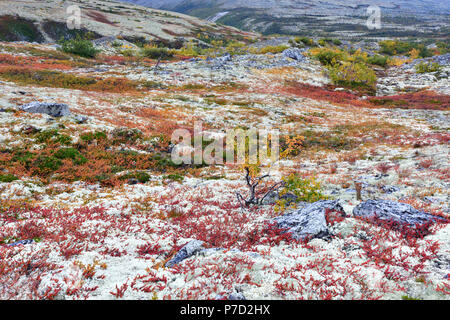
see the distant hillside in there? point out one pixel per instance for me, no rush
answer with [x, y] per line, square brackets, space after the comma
[40, 21]
[327, 17]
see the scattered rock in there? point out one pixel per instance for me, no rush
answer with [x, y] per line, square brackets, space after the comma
[30, 130]
[187, 251]
[295, 53]
[220, 62]
[133, 181]
[401, 216]
[310, 221]
[390, 189]
[80, 119]
[21, 242]
[273, 197]
[52, 109]
[236, 296]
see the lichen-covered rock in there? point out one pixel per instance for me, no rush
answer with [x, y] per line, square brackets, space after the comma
[310, 221]
[295, 53]
[273, 197]
[52, 109]
[187, 251]
[390, 189]
[21, 242]
[236, 296]
[80, 119]
[400, 215]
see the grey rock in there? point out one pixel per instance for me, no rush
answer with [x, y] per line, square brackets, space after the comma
[21, 242]
[310, 221]
[52, 109]
[133, 181]
[295, 53]
[237, 296]
[401, 215]
[273, 197]
[289, 197]
[390, 189]
[80, 119]
[220, 62]
[430, 199]
[187, 251]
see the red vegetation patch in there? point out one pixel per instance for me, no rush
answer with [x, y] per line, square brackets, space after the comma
[99, 17]
[219, 223]
[149, 249]
[427, 100]
[418, 100]
[38, 63]
[325, 93]
[332, 216]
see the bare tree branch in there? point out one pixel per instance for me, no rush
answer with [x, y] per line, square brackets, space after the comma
[252, 184]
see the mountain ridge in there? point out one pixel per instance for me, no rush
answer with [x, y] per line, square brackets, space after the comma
[38, 21]
[301, 17]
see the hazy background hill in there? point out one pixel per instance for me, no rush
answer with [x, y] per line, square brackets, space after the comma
[40, 21]
[338, 17]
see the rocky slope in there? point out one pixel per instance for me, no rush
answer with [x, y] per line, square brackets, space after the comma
[399, 18]
[46, 21]
[92, 208]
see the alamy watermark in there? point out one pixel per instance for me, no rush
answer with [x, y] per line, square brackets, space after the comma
[235, 146]
[374, 20]
[73, 17]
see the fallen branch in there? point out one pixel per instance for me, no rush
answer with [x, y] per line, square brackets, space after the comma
[252, 184]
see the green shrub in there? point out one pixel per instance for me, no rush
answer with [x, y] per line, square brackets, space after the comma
[175, 177]
[378, 60]
[71, 153]
[7, 178]
[64, 139]
[23, 157]
[306, 190]
[329, 57]
[142, 177]
[91, 136]
[127, 52]
[79, 46]
[426, 67]
[306, 41]
[270, 49]
[353, 75]
[125, 135]
[156, 53]
[52, 135]
[393, 47]
[46, 135]
[48, 164]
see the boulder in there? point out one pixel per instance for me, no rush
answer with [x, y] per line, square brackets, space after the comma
[220, 62]
[295, 53]
[273, 197]
[310, 221]
[187, 251]
[236, 296]
[80, 119]
[398, 215]
[52, 109]
[390, 189]
[21, 242]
